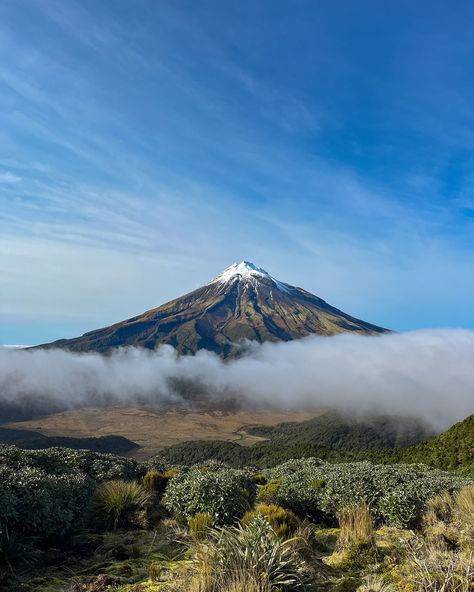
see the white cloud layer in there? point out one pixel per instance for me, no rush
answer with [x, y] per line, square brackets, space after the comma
[428, 374]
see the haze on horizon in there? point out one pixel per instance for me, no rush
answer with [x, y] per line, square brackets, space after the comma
[145, 147]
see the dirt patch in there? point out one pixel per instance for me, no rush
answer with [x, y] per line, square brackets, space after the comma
[154, 429]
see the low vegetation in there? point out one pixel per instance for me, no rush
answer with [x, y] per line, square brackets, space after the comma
[78, 521]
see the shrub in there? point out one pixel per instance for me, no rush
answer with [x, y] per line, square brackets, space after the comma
[397, 494]
[120, 503]
[283, 522]
[155, 482]
[34, 503]
[252, 555]
[199, 525]
[226, 494]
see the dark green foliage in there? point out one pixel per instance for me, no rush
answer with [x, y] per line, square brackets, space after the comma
[56, 461]
[332, 437]
[339, 432]
[47, 493]
[452, 450]
[16, 551]
[33, 502]
[226, 494]
[35, 440]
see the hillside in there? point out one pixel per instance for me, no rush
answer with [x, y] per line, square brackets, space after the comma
[242, 303]
[451, 450]
[331, 436]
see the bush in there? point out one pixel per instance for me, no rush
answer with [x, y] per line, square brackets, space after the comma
[397, 494]
[57, 461]
[226, 494]
[34, 503]
[121, 503]
[199, 525]
[250, 557]
[283, 522]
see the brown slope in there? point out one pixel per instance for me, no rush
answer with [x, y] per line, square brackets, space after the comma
[220, 315]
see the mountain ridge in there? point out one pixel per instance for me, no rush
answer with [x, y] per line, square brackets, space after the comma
[243, 303]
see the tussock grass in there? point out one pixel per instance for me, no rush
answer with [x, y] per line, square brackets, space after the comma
[199, 525]
[283, 522]
[464, 506]
[121, 503]
[356, 524]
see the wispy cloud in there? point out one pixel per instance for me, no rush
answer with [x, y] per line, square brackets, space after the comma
[7, 177]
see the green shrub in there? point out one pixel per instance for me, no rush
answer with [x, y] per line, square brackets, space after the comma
[283, 522]
[57, 461]
[397, 494]
[199, 525]
[34, 503]
[120, 503]
[226, 494]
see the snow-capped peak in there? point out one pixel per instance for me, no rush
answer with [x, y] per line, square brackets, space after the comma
[246, 271]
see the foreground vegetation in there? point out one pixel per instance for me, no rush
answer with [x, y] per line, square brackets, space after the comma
[79, 521]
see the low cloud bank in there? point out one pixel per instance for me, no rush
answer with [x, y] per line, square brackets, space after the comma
[428, 374]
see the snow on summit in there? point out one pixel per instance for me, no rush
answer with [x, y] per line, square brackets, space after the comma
[245, 270]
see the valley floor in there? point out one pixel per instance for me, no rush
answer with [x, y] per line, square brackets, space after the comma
[155, 429]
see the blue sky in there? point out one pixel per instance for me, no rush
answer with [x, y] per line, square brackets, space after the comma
[147, 145]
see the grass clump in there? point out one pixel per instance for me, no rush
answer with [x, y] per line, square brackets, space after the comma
[155, 482]
[268, 492]
[199, 525]
[427, 568]
[283, 522]
[248, 557]
[355, 546]
[356, 524]
[121, 503]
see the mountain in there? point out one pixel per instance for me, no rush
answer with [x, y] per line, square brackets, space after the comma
[242, 303]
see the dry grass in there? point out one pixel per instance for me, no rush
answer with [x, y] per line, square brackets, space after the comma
[154, 429]
[430, 569]
[375, 583]
[356, 524]
[464, 506]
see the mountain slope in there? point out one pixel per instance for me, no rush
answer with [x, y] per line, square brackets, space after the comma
[242, 303]
[453, 449]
